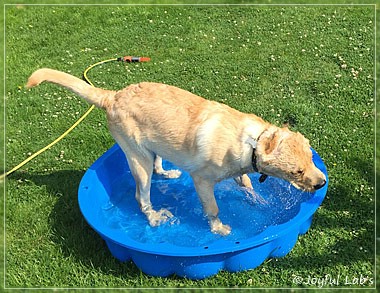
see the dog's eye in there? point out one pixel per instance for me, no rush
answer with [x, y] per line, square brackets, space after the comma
[300, 171]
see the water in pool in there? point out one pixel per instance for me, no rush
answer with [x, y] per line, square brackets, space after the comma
[276, 202]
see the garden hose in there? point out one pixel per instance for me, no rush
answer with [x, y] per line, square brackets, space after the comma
[122, 59]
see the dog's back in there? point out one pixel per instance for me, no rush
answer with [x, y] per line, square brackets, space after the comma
[184, 128]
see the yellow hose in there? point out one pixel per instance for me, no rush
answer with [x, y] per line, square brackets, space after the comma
[66, 132]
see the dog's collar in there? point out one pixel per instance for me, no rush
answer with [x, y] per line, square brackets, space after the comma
[254, 161]
[263, 176]
[254, 166]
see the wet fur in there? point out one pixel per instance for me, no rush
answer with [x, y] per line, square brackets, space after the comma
[209, 140]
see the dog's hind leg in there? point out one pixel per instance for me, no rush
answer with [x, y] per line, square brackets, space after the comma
[140, 162]
[158, 169]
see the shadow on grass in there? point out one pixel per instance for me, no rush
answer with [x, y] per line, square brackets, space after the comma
[71, 232]
[77, 239]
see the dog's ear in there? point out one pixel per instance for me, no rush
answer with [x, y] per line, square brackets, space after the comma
[271, 142]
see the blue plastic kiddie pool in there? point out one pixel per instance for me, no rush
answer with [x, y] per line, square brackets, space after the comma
[262, 227]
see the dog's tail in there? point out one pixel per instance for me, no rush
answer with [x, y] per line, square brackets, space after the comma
[93, 95]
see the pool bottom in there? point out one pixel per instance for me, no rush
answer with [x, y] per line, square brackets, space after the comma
[275, 202]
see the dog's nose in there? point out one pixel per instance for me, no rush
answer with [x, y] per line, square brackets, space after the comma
[320, 184]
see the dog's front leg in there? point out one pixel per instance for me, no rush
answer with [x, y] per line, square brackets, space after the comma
[244, 181]
[205, 190]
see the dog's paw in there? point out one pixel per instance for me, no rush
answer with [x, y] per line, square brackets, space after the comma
[170, 174]
[218, 227]
[157, 218]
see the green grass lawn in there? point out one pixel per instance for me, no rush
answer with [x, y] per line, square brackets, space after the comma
[311, 66]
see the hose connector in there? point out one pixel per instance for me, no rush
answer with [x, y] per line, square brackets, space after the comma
[133, 59]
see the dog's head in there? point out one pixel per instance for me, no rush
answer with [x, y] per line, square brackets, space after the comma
[286, 154]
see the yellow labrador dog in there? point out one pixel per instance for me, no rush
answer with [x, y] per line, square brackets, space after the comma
[209, 140]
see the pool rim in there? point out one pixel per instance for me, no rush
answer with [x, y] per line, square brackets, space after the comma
[220, 246]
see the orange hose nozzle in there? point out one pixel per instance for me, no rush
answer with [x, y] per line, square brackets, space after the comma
[133, 59]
